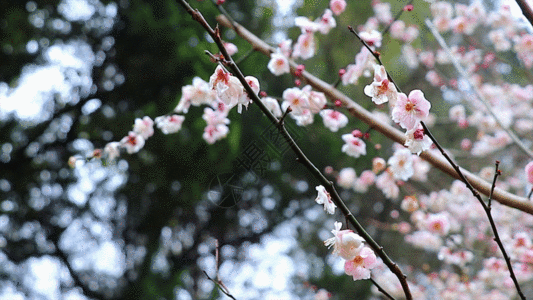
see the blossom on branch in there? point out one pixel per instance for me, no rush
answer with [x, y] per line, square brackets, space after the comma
[244, 99]
[346, 243]
[278, 64]
[401, 164]
[381, 90]
[354, 146]
[196, 94]
[227, 87]
[416, 141]
[144, 127]
[359, 267]
[408, 111]
[326, 22]
[324, 197]
[333, 119]
[133, 142]
[169, 124]
[273, 106]
[337, 6]
[305, 46]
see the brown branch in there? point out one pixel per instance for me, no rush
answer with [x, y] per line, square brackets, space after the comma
[302, 158]
[486, 207]
[381, 289]
[526, 10]
[392, 133]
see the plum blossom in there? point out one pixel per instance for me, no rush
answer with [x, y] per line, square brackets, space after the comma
[285, 47]
[378, 164]
[112, 150]
[438, 223]
[337, 6]
[346, 178]
[408, 111]
[133, 142]
[228, 88]
[278, 64]
[213, 133]
[386, 183]
[346, 243]
[397, 29]
[272, 105]
[359, 267]
[409, 204]
[401, 164]
[215, 117]
[381, 90]
[169, 124]
[244, 99]
[354, 146]
[364, 181]
[326, 22]
[305, 46]
[196, 94]
[363, 61]
[333, 119]
[306, 25]
[230, 48]
[296, 99]
[325, 198]
[529, 172]
[416, 141]
[144, 127]
[372, 38]
[383, 12]
[317, 100]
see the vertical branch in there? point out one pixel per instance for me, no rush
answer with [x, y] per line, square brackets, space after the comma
[486, 207]
[526, 10]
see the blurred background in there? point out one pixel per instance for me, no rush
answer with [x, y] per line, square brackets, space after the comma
[74, 74]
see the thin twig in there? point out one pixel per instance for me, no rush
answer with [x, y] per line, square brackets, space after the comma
[302, 158]
[398, 15]
[220, 286]
[375, 53]
[497, 173]
[381, 289]
[462, 72]
[530, 193]
[486, 207]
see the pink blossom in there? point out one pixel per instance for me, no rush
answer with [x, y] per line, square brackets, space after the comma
[317, 100]
[364, 181]
[333, 119]
[381, 89]
[383, 12]
[416, 141]
[304, 118]
[272, 105]
[144, 127]
[425, 240]
[427, 58]
[196, 94]
[213, 133]
[346, 178]
[401, 164]
[359, 267]
[408, 111]
[410, 56]
[326, 22]
[228, 88]
[169, 124]
[278, 64]
[397, 29]
[215, 117]
[305, 46]
[438, 223]
[529, 172]
[346, 243]
[386, 183]
[410, 34]
[133, 142]
[112, 150]
[306, 25]
[244, 99]
[285, 47]
[230, 48]
[324, 197]
[297, 100]
[372, 38]
[409, 204]
[354, 146]
[378, 164]
[337, 6]
[363, 60]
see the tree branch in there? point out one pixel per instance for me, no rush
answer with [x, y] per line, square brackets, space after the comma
[392, 133]
[302, 158]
